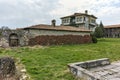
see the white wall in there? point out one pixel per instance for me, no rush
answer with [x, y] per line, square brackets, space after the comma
[51, 32]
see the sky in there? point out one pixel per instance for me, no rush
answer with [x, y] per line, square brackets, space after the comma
[24, 13]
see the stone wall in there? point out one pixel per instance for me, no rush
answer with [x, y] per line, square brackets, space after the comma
[60, 40]
[25, 35]
[23, 38]
[4, 43]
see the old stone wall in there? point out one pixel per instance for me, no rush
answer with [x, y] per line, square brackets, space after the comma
[4, 43]
[23, 37]
[60, 40]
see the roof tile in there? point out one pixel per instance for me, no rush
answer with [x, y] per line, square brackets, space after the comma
[112, 26]
[59, 28]
[79, 14]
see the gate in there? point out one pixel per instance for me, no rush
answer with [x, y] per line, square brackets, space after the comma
[13, 40]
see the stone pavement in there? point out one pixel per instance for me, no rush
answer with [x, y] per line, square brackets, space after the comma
[100, 69]
[109, 72]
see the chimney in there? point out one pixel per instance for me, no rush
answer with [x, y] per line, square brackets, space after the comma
[86, 11]
[53, 22]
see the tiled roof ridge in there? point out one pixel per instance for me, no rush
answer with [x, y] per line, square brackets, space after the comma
[58, 27]
[77, 14]
[112, 26]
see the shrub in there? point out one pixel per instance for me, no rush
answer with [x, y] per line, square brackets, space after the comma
[94, 39]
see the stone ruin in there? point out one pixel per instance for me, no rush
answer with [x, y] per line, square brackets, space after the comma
[13, 38]
[100, 69]
[9, 70]
[4, 43]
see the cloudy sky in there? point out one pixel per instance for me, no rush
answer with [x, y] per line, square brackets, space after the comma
[23, 13]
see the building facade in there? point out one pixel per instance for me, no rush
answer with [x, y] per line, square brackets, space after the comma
[78, 25]
[112, 31]
[51, 33]
[43, 29]
[80, 20]
[57, 35]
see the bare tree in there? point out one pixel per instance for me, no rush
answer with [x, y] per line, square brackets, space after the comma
[4, 31]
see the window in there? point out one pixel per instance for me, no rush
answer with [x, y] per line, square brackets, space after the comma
[73, 20]
[92, 21]
[84, 19]
[63, 21]
[66, 20]
[78, 19]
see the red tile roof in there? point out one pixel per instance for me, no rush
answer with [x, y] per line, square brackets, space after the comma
[79, 14]
[112, 26]
[58, 28]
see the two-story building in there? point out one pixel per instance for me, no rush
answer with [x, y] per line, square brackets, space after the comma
[81, 20]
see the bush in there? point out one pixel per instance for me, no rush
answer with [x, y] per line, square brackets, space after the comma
[94, 39]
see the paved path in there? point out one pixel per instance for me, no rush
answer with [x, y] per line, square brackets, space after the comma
[109, 72]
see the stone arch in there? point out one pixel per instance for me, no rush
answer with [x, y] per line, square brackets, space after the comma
[13, 40]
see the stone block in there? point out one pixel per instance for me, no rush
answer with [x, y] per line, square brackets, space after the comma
[81, 69]
[7, 68]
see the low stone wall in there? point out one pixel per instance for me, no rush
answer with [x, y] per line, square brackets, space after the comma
[60, 40]
[81, 69]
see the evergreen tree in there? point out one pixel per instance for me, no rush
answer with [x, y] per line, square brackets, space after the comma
[98, 32]
[102, 27]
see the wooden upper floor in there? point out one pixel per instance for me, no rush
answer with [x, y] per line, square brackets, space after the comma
[79, 18]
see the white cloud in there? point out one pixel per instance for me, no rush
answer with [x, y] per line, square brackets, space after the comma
[21, 13]
[105, 10]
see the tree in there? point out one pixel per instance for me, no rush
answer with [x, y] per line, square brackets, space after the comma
[4, 31]
[0, 32]
[102, 27]
[98, 32]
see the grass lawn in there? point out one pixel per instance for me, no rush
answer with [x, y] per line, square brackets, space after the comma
[50, 63]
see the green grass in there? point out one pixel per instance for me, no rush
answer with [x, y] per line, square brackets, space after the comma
[50, 63]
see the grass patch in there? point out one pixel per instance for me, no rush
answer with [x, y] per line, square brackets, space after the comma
[50, 63]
